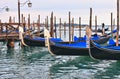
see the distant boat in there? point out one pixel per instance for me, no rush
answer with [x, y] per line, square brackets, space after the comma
[100, 30]
[108, 52]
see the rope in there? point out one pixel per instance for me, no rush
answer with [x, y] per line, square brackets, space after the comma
[22, 40]
[21, 36]
[47, 40]
[88, 34]
[88, 40]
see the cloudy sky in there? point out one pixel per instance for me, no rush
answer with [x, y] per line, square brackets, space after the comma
[78, 8]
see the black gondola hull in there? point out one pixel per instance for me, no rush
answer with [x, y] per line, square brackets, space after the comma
[104, 53]
[58, 50]
[31, 42]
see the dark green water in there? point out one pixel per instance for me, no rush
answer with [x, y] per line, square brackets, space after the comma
[37, 63]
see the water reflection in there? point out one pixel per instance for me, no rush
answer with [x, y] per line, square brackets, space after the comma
[10, 53]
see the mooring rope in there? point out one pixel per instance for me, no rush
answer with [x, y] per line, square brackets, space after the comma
[47, 40]
[90, 51]
[88, 34]
[21, 36]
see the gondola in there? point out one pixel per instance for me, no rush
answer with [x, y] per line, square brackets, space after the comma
[108, 52]
[78, 39]
[64, 48]
[99, 30]
[37, 41]
[73, 49]
[94, 37]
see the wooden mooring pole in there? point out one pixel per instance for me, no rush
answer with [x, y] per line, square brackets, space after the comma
[1, 28]
[79, 26]
[33, 25]
[60, 28]
[24, 27]
[72, 29]
[91, 18]
[111, 21]
[45, 23]
[64, 29]
[14, 19]
[38, 24]
[29, 24]
[22, 21]
[117, 36]
[69, 27]
[10, 19]
[47, 26]
[55, 26]
[51, 26]
[95, 24]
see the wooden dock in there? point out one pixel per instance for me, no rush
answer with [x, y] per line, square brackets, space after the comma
[5, 36]
[10, 32]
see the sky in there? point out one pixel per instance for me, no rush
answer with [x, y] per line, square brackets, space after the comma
[78, 8]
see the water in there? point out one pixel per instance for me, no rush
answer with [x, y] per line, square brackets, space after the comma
[37, 63]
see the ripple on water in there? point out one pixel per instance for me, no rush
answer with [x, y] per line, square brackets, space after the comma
[37, 63]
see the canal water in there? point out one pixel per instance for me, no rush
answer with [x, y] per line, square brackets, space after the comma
[37, 63]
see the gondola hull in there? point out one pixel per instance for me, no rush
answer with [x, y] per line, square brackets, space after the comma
[58, 50]
[100, 40]
[31, 42]
[104, 53]
[37, 41]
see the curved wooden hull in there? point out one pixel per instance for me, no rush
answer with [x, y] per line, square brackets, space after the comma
[38, 41]
[70, 51]
[104, 53]
[31, 42]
